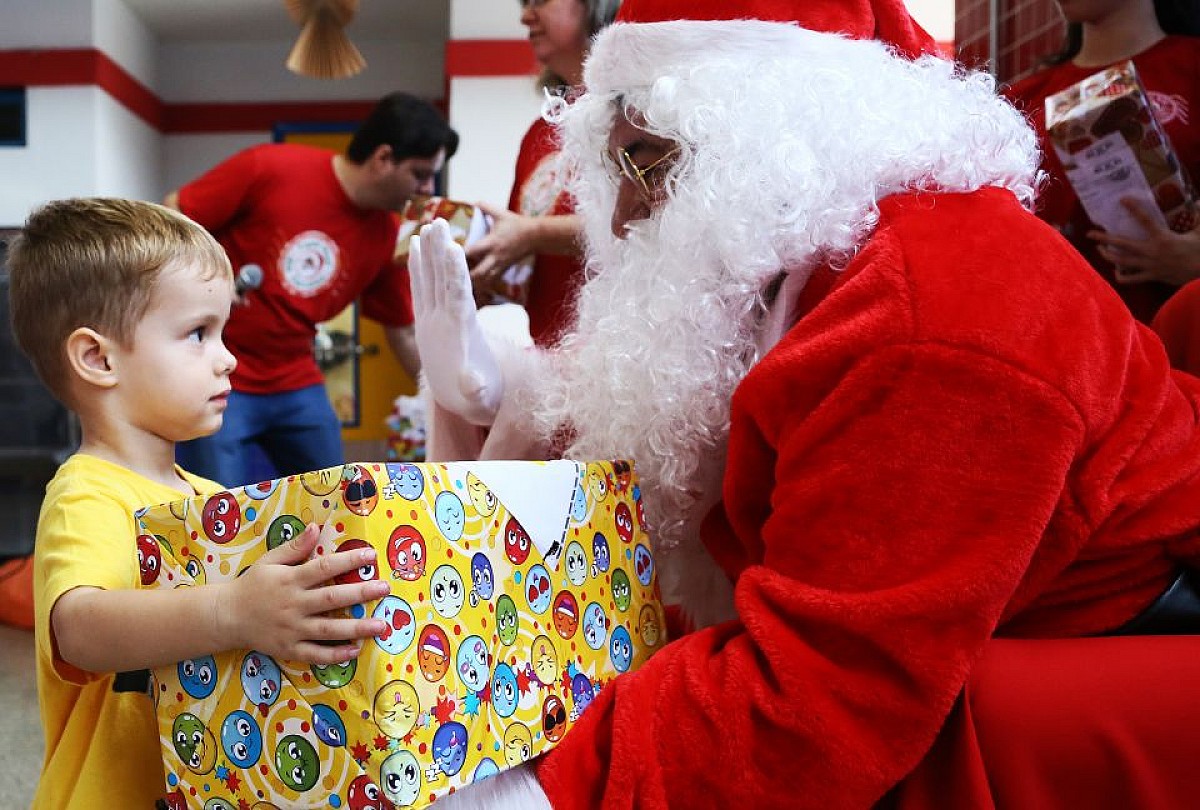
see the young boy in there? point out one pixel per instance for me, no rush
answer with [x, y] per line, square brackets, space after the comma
[120, 307]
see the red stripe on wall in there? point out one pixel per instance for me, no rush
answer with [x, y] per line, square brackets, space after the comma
[88, 66]
[490, 57]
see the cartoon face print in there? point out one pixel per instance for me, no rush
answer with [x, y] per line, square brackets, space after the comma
[537, 589]
[296, 763]
[407, 480]
[595, 625]
[400, 777]
[149, 558]
[241, 739]
[322, 482]
[624, 522]
[554, 718]
[195, 569]
[198, 676]
[600, 557]
[175, 800]
[504, 690]
[364, 573]
[335, 676]
[620, 649]
[450, 747]
[396, 708]
[329, 726]
[193, 743]
[507, 620]
[643, 564]
[450, 516]
[481, 497]
[482, 585]
[597, 482]
[621, 589]
[486, 767]
[472, 663]
[516, 542]
[518, 744]
[566, 614]
[283, 529]
[260, 491]
[640, 506]
[363, 794]
[221, 517]
[576, 563]
[622, 475]
[217, 803]
[261, 678]
[406, 553]
[433, 653]
[578, 504]
[359, 491]
[545, 660]
[401, 625]
[446, 591]
[582, 692]
[648, 626]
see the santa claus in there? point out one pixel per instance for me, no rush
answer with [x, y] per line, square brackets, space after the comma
[882, 415]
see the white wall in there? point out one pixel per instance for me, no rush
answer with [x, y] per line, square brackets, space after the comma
[128, 153]
[935, 16]
[491, 115]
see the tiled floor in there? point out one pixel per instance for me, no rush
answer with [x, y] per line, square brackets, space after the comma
[21, 755]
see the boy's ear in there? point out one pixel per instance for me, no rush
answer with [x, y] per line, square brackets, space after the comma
[90, 357]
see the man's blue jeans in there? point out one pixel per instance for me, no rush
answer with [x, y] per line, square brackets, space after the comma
[297, 430]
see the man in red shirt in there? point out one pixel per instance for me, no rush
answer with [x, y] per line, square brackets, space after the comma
[319, 231]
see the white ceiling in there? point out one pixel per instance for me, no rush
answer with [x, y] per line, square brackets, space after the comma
[207, 20]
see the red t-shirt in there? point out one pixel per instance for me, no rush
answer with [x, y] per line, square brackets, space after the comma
[539, 191]
[281, 207]
[1170, 72]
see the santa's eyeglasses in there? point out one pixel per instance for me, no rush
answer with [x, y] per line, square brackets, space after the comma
[624, 166]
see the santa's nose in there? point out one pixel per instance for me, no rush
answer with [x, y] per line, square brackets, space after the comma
[631, 206]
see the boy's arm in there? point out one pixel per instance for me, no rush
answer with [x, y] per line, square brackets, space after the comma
[281, 606]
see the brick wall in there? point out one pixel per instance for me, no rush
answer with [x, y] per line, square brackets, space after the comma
[1026, 31]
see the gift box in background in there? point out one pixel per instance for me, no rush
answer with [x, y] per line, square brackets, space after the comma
[519, 591]
[406, 429]
[1111, 147]
[467, 224]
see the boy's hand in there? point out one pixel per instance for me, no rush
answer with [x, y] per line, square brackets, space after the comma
[285, 604]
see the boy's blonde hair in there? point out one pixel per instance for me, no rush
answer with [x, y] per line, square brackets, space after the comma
[94, 262]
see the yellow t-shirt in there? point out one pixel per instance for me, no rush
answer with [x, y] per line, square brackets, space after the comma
[101, 746]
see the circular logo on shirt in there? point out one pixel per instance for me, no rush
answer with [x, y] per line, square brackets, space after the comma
[308, 263]
[543, 186]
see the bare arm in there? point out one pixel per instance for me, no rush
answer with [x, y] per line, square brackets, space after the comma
[403, 342]
[283, 605]
[515, 236]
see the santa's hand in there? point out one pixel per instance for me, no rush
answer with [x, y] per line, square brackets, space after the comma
[458, 365]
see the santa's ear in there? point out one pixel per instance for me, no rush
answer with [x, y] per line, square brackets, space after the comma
[91, 358]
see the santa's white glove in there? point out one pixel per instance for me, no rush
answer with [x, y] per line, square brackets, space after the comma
[459, 367]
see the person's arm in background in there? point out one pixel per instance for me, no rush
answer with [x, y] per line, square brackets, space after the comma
[514, 236]
[1165, 255]
[403, 342]
[172, 200]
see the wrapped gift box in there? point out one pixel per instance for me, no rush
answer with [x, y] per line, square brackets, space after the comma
[519, 590]
[1111, 146]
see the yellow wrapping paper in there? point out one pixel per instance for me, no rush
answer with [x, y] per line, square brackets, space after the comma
[519, 591]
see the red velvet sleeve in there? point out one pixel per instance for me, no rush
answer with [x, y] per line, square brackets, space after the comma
[887, 522]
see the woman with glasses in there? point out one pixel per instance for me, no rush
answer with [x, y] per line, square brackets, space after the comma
[540, 222]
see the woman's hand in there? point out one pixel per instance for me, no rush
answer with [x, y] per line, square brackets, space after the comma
[1164, 255]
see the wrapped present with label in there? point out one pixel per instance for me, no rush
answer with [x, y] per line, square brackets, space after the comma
[1111, 147]
[467, 225]
[519, 591]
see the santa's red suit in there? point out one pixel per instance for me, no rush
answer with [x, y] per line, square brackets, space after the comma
[950, 456]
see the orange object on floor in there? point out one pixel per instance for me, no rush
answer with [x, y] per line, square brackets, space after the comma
[16, 592]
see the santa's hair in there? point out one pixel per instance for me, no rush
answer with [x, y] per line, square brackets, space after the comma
[788, 140]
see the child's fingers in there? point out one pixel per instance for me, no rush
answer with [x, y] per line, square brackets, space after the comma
[338, 597]
[323, 654]
[294, 551]
[342, 630]
[329, 567]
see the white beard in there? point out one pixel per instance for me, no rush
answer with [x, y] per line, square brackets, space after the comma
[665, 331]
